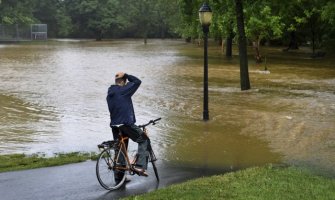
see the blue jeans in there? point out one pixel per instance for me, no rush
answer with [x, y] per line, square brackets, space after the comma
[137, 135]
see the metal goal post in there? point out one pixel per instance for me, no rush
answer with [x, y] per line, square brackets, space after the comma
[39, 31]
[16, 32]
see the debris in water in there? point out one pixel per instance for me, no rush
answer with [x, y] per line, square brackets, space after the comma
[264, 71]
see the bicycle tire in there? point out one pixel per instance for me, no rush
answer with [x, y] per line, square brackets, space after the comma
[153, 161]
[155, 169]
[106, 172]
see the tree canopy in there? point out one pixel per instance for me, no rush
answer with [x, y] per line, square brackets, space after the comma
[285, 22]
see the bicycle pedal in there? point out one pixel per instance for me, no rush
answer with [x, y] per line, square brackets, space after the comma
[143, 174]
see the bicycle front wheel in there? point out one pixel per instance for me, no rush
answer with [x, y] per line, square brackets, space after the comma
[153, 160]
[110, 169]
[155, 169]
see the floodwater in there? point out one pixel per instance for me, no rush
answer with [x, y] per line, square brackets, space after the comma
[52, 99]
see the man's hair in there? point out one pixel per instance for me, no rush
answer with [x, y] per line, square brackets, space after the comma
[119, 80]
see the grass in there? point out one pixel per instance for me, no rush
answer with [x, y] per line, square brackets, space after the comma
[254, 183]
[15, 162]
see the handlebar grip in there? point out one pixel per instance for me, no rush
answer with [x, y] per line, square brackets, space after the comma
[153, 122]
[157, 119]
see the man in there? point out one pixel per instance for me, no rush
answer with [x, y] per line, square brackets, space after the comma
[122, 116]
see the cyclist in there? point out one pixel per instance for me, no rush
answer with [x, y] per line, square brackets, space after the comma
[122, 116]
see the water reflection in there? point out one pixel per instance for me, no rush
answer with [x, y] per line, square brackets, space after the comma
[217, 145]
[53, 100]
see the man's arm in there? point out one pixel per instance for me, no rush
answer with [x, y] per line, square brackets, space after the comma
[133, 84]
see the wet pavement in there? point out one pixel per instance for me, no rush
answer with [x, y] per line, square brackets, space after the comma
[78, 182]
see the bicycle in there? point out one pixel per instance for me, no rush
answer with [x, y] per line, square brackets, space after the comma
[113, 162]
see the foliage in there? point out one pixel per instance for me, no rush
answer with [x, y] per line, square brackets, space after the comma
[63, 22]
[16, 11]
[142, 16]
[310, 20]
[254, 183]
[328, 16]
[189, 24]
[262, 24]
[93, 17]
[302, 20]
[284, 21]
[168, 16]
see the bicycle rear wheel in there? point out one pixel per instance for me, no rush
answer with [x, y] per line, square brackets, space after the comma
[153, 160]
[111, 168]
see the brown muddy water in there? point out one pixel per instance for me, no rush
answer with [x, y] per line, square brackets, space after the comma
[52, 99]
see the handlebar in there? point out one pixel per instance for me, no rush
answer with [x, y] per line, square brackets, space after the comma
[153, 122]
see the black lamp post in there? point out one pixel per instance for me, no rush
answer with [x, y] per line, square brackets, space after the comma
[205, 16]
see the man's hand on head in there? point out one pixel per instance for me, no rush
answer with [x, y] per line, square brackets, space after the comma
[119, 75]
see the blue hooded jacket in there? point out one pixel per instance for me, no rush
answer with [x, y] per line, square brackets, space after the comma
[119, 102]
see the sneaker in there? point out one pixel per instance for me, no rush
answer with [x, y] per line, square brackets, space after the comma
[140, 172]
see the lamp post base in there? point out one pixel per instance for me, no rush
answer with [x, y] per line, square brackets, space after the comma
[205, 116]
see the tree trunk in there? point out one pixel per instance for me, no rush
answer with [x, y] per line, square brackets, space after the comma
[199, 40]
[163, 29]
[145, 37]
[220, 43]
[98, 35]
[229, 45]
[313, 36]
[313, 33]
[222, 46]
[242, 44]
[293, 41]
[258, 55]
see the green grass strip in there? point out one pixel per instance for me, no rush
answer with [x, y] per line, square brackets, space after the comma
[255, 183]
[14, 162]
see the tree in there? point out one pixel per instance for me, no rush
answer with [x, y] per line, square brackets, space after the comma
[189, 26]
[242, 45]
[328, 17]
[165, 18]
[63, 22]
[103, 17]
[262, 24]
[143, 16]
[16, 12]
[318, 21]
[308, 21]
[53, 13]
[94, 17]
[224, 22]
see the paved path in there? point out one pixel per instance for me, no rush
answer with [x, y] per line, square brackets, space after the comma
[78, 182]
